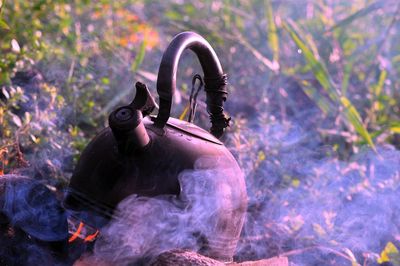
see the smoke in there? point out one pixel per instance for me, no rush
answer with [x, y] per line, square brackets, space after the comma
[304, 200]
[307, 203]
[33, 225]
[203, 218]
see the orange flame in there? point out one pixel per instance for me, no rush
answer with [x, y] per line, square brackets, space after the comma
[77, 232]
[91, 237]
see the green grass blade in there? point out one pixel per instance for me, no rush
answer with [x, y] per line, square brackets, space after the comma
[321, 74]
[377, 89]
[227, 14]
[358, 14]
[319, 69]
[139, 57]
[273, 39]
[348, 67]
[312, 93]
[395, 127]
[354, 118]
[3, 26]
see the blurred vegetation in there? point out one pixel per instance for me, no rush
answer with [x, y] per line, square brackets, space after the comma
[331, 64]
[70, 49]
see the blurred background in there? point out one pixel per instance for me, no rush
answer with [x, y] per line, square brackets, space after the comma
[313, 95]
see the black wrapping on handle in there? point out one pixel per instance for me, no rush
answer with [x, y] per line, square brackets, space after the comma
[214, 78]
[216, 95]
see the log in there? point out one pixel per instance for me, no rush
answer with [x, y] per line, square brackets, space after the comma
[275, 261]
[189, 258]
[178, 257]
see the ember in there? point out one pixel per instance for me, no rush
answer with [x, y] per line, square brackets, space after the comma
[82, 233]
[76, 234]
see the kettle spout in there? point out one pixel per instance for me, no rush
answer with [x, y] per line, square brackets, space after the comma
[126, 122]
[128, 130]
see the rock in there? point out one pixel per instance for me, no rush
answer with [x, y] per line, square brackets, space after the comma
[179, 257]
[275, 261]
[190, 258]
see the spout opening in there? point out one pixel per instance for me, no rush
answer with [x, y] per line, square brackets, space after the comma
[128, 130]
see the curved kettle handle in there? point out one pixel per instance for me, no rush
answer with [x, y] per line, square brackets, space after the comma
[214, 78]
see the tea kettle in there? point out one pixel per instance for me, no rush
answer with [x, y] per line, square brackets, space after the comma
[144, 155]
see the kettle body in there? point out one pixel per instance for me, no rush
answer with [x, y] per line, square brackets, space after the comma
[144, 155]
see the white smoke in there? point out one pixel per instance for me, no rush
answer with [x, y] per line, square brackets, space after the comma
[307, 203]
[146, 227]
